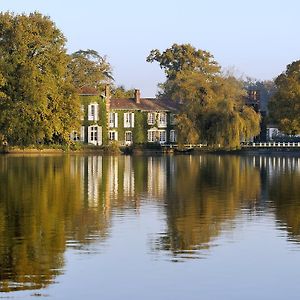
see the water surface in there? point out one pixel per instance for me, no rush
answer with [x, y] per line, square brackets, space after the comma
[144, 227]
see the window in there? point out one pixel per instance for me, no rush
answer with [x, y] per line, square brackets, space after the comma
[128, 120]
[128, 137]
[162, 119]
[151, 118]
[113, 135]
[93, 112]
[162, 136]
[113, 119]
[155, 135]
[173, 136]
[75, 136]
[94, 134]
[151, 136]
[172, 119]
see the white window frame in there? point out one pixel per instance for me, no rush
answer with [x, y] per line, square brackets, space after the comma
[128, 120]
[113, 119]
[151, 118]
[128, 141]
[162, 119]
[95, 135]
[152, 135]
[112, 135]
[173, 136]
[162, 133]
[93, 112]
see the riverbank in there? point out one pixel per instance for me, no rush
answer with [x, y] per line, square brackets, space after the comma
[143, 150]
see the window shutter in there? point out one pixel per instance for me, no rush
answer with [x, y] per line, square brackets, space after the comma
[132, 120]
[81, 112]
[89, 112]
[116, 119]
[99, 135]
[125, 121]
[110, 116]
[82, 133]
[89, 134]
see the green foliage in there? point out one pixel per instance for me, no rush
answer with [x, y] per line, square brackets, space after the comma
[38, 103]
[284, 106]
[140, 127]
[213, 109]
[184, 57]
[89, 70]
[113, 148]
[187, 131]
[103, 120]
[121, 130]
[121, 92]
[139, 131]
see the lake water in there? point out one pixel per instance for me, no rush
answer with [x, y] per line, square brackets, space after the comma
[150, 227]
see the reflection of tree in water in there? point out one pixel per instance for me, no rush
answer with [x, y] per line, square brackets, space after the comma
[42, 204]
[284, 192]
[205, 192]
[50, 203]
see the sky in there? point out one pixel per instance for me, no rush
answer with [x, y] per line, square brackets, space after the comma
[255, 38]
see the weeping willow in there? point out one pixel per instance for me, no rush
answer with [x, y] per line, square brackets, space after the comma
[214, 111]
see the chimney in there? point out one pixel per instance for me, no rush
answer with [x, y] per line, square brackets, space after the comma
[137, 96]
[107, 96]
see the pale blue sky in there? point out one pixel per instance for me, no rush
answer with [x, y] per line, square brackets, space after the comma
[259, 37]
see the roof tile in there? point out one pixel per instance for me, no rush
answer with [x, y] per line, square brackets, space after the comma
[146, 104]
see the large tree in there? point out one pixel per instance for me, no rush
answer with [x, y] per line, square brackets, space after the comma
[284, 106]
[184, 57]
[213, 109]
[89, 70]
[38, 103]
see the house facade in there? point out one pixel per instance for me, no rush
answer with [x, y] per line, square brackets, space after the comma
[126, 121]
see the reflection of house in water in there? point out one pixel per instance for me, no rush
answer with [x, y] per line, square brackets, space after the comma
[94, 176]
[90, 170]
[274, 165]
[157, 177]
[270, 168]
[112, 177]
[128, 177]
[283, 188]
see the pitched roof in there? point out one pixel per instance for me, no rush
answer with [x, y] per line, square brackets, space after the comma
[146, 104]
